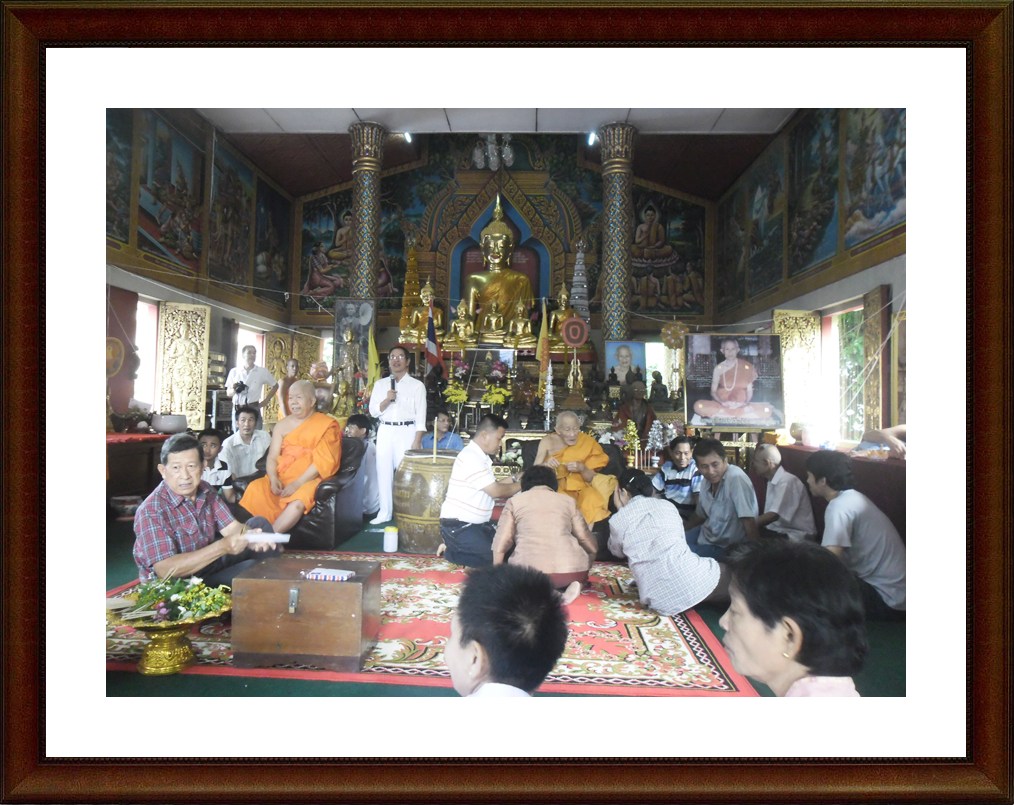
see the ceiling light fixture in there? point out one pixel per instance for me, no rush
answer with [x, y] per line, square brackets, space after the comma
[493, 151]
[408, 136]
[592, 137]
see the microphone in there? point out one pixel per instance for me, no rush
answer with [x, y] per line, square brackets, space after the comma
[392, 383]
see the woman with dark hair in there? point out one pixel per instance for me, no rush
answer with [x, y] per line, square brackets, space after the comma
[648, 531]
[795, 619]
[543, 529]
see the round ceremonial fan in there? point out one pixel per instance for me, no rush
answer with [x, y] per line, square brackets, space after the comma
[574, 331]
[114, 356]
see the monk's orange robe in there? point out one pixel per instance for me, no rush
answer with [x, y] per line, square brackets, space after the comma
[590, 501]
[317, 441]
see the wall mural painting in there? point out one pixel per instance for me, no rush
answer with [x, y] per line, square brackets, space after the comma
[391, 272]
[326, 251]
[232, 199]
[813, 190]
[731, 250]
[271, 245]
[666, 255]
[119, 143]
[874, 172]
[734, 380]
[765, 192]
[171, 194]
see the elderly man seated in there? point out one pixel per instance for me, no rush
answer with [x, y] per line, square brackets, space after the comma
[175, 527]
[306, 447]
[575, 456]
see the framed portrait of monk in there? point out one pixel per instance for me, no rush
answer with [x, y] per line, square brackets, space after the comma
[626, 360]
[734, 380]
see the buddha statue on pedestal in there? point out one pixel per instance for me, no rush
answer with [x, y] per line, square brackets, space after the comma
[558, 317]
[415, 330]
[519, 330]
[492, 330]
[499, 282]
[462, 332]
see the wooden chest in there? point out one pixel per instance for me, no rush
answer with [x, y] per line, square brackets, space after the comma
[278, 616]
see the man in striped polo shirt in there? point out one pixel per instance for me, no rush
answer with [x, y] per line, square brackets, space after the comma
[465, 524]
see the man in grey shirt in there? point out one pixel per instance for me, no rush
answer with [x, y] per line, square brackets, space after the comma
[727, 508]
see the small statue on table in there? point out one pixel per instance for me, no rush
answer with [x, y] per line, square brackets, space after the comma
[462, 333]
[418, 319]
[519, 331]
[558, 317]
[492, 329]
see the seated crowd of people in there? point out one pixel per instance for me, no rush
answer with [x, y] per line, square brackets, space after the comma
[691, 531]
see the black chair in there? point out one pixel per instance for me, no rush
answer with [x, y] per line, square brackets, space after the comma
[337, 513]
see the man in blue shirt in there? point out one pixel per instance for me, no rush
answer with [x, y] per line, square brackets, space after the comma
[678, 477]
[446, 440]
[727, 507]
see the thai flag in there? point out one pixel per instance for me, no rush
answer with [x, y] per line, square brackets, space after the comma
[433, 357]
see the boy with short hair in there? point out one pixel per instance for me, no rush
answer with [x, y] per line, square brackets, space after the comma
[358, 427]
[216, 471]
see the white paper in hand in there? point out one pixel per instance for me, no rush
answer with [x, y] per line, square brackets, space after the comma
[266, 536]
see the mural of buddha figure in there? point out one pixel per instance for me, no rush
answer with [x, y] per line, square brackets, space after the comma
[650, 237]
[499, 282]
[519, 330]
[462, 332]
[415, 331]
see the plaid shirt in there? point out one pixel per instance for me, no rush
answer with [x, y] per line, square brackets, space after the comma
[167, 524]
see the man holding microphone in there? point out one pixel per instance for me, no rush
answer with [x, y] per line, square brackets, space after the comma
[399, 403]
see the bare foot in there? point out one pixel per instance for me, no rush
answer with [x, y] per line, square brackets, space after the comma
[573, 591]
[441, 549]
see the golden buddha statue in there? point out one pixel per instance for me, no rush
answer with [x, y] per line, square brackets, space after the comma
[499, 282]
[558, 317]
[519, 330]
[462, 332]
[492, 329]
[415, 330]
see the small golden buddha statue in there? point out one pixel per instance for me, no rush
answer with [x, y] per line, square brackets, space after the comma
[519, 330]
[492, 330]
[348, 361]
[415, 331]
[462, 332]
[558, 317]
[499, 282]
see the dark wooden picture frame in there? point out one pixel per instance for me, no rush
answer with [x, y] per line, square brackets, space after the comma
[984, 29]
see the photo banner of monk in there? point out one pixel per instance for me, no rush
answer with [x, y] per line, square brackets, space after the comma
[734, 380]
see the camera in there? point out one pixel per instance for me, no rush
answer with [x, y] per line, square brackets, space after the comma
[240, 387]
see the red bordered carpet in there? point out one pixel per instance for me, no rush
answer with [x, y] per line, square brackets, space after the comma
[616, 647]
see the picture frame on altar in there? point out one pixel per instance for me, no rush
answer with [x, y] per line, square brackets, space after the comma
[616, 359]
[746, 393]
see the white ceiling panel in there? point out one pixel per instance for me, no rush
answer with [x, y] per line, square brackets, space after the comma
[313, 121]
[751, 121]
[242, 121]
[674, 121]
[417, 121]
[492, 120]
[563, 121]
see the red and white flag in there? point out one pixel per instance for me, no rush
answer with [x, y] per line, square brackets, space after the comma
[433, 357]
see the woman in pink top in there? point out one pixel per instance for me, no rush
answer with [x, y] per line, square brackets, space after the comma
[545, 530]
[795, 621]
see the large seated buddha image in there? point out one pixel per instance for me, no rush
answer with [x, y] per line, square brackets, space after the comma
[494, 291]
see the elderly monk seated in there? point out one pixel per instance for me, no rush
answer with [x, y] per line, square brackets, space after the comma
[576, 456]
[306, 447]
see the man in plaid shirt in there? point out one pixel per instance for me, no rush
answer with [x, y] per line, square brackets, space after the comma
[175, 527]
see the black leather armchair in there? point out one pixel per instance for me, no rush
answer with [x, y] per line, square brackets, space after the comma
[337, 513]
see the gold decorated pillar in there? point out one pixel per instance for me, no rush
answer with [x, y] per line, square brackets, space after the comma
[876, 326]
[367, 157]
[799, 341]
[618, 216]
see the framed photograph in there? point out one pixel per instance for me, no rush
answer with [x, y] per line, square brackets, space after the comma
[734, 380]
[626, 360]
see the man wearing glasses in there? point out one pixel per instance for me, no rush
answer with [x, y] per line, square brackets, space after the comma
[399, 403]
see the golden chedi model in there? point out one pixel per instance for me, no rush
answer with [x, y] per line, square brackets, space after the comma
[498, 282]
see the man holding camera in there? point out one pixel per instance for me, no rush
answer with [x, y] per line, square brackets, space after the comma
[250, 385]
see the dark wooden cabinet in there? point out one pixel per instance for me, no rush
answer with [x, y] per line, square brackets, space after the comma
[132, 463]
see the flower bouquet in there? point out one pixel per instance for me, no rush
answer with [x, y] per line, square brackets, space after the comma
[166, 610]
[459, 369]
[455, 393]
[498, 370]
[495, 395]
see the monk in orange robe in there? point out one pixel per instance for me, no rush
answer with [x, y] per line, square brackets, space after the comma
[306, 447]
[576, 456]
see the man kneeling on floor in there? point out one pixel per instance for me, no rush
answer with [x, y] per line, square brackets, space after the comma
[175, 527]
[306, 447]
[507, 633]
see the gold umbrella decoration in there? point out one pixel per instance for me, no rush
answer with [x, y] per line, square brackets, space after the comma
[673, 335]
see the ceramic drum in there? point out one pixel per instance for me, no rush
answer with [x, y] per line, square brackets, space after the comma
[420, 485]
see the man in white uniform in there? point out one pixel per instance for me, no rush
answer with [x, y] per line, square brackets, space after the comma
[247, 445]
[787, 508]
[399, 402]
[861, 535]
[249, 385]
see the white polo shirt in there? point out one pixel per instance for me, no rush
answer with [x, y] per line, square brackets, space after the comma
[787, 497]
[471, 473]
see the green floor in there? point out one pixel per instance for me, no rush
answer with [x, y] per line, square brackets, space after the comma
[884, 674]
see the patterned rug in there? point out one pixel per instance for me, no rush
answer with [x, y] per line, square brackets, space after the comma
[616, 647]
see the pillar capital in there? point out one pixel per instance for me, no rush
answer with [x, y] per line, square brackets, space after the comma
[617, 147]
[367, 145]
